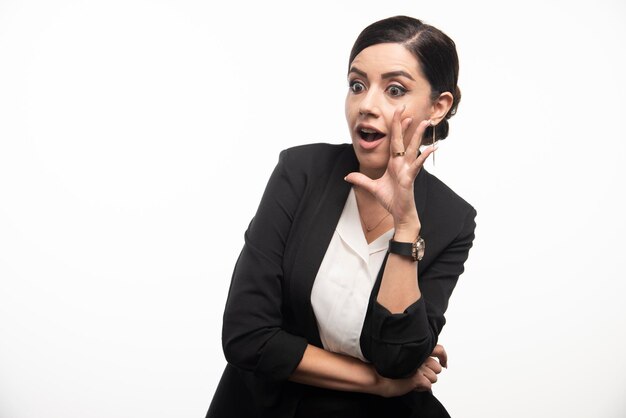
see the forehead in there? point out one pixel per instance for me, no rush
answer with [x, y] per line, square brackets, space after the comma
[381, 58]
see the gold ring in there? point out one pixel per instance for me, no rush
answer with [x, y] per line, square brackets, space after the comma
[398, 154]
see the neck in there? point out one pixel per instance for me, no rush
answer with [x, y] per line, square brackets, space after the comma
[367, 202]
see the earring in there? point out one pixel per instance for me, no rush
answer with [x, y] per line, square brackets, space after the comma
[433, 143]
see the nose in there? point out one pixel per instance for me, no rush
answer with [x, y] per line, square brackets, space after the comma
[368, 106]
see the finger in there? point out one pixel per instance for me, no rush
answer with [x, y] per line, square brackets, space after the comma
[430, 375]
[419, 161]
[416, 139]
[441, 354]
[406, 124]
[433, 365]
[361, 180]
[422, 383]
[409, 129]
[396, 144]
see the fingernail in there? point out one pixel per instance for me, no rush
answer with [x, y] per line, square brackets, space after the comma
[403, 108]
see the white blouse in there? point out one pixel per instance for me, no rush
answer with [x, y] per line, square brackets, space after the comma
[344, 282]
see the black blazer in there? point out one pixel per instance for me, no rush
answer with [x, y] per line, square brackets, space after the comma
[268, 319]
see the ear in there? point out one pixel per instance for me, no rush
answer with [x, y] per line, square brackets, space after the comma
[441, 106]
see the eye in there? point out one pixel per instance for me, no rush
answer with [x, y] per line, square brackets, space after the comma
[356, 86]
[396, 91]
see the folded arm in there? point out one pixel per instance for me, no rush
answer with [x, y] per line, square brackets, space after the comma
[322, 368]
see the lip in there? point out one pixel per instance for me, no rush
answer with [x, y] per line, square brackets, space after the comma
[368, 145]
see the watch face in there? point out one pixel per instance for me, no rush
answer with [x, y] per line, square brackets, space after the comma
[419, 248]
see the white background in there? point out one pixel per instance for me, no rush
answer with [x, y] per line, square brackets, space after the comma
[136, 138]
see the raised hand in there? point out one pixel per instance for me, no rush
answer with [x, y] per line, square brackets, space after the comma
[394, 190]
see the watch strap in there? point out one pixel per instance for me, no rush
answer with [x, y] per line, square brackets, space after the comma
[402, 248]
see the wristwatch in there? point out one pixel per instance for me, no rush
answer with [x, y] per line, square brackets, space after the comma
[415, 249]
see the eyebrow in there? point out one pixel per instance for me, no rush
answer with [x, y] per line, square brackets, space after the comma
[385, 75]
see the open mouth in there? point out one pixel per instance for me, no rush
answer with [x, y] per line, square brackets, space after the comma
[370, 135]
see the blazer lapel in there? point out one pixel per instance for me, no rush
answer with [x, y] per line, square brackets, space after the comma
[320, 228]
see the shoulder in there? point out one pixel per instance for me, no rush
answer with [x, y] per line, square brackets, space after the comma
[445, 203]
[313, 154]
[313, 158]
[442, 193]
[307, 168]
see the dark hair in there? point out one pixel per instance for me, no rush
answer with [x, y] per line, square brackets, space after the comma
[435, 53]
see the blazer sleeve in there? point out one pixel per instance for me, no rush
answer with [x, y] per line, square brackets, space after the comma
[252, 335]
[397, 344]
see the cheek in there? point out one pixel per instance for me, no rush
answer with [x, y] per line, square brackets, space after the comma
[418, 114]
[350, 105]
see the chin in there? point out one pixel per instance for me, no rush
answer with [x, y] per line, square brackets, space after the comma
[372, 164]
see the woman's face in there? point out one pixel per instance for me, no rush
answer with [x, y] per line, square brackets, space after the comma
[383, 78]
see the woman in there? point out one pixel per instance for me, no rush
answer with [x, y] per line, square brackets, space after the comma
[324, 315]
